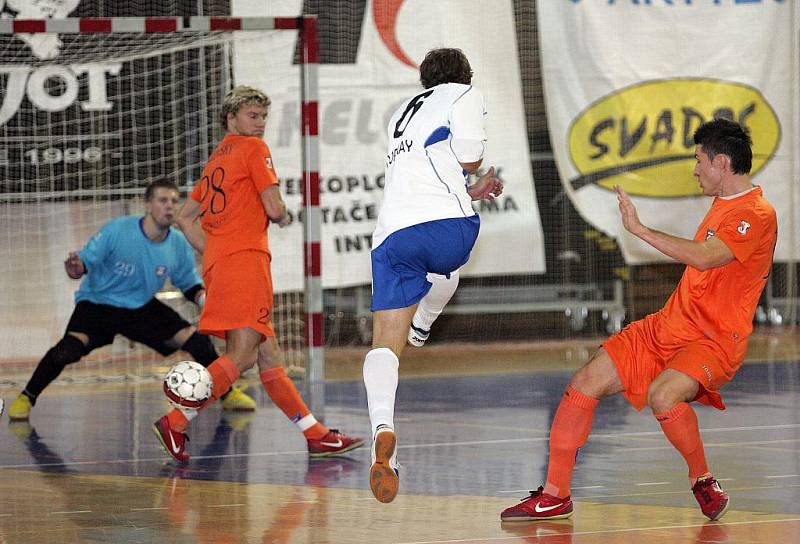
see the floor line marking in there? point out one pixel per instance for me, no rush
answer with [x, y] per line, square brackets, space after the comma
[527, 490]
[617, 495]
[610, 435]
[753, 443]
[606, 531]
[431, 445]
[151, 459]
[72, 512]
[515, 490]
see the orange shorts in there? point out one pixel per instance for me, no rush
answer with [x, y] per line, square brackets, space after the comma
[238, 294]
[645, 348]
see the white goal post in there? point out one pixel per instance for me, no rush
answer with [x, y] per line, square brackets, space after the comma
[71, 159]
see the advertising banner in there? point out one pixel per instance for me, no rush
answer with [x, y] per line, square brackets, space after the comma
[627, 84]
[356, 100]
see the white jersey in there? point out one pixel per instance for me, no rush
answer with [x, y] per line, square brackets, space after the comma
[429, 135]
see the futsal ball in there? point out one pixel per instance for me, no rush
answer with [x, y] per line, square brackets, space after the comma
[188, 384]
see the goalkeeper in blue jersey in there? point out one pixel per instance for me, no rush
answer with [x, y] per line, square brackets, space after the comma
[123, 266]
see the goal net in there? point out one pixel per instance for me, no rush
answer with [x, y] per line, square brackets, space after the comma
[89, 116]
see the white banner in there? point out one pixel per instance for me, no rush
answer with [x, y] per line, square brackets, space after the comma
[356, 101]
[627, 83]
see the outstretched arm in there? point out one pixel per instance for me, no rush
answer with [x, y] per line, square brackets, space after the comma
[711, 253]
[189, 224]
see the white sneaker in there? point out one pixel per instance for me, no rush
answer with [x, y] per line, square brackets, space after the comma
[384, 474]
[417, 335]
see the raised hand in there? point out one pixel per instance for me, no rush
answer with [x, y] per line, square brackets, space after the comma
[630, 218]
[488, 186]
[74, 266]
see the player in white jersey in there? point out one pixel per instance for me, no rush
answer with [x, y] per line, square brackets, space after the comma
[426, 225]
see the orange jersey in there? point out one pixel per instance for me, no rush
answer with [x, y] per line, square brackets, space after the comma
[718, 304]
[232, 215]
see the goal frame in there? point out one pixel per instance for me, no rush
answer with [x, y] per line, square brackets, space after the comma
[307, 28]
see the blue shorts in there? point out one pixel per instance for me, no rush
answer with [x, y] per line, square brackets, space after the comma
[402, 262]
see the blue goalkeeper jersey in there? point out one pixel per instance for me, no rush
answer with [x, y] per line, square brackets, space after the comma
[124, 268]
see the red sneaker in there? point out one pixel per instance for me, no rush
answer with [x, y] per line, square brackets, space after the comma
[173, 441]
[333, 443]
[539, 505]
[712, 499]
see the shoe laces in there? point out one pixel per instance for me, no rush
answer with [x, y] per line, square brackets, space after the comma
[334, 432]
[533, 494]
[703, 486]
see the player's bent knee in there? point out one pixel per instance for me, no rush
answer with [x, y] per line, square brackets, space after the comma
[598, 378]
[588, 383]
[669, 389]
[68, 350]
[662, 397]
[199, 346]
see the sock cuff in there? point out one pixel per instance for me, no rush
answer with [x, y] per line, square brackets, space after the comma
[306, 422]
[178, 419]
[672, 414]
[579, 399]
[228, 367]
[385, 354]
[272, 374]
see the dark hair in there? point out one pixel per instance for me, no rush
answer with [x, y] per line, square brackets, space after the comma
[725, 137]
[162, 183]
[444, 65]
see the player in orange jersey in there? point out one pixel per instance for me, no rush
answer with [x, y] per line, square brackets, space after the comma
[691, 347]
[226, 220]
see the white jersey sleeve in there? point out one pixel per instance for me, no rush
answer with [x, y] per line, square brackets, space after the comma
[429, 136]
[467, 126]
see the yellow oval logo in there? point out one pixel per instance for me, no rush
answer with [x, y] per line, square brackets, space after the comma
[641, 137]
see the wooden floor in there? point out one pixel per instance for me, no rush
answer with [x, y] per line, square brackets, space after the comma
[472, 427]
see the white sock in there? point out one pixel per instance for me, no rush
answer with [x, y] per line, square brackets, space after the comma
[189, 413]
[432, 304]
[306, 422]
[380, 378]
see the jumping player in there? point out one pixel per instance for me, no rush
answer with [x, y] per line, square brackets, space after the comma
[426, 224]
[226, 219]
[690, 348]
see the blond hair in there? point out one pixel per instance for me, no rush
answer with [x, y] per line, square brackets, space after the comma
[239, 97]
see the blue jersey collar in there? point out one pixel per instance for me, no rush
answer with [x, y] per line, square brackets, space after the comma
[141, 228]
